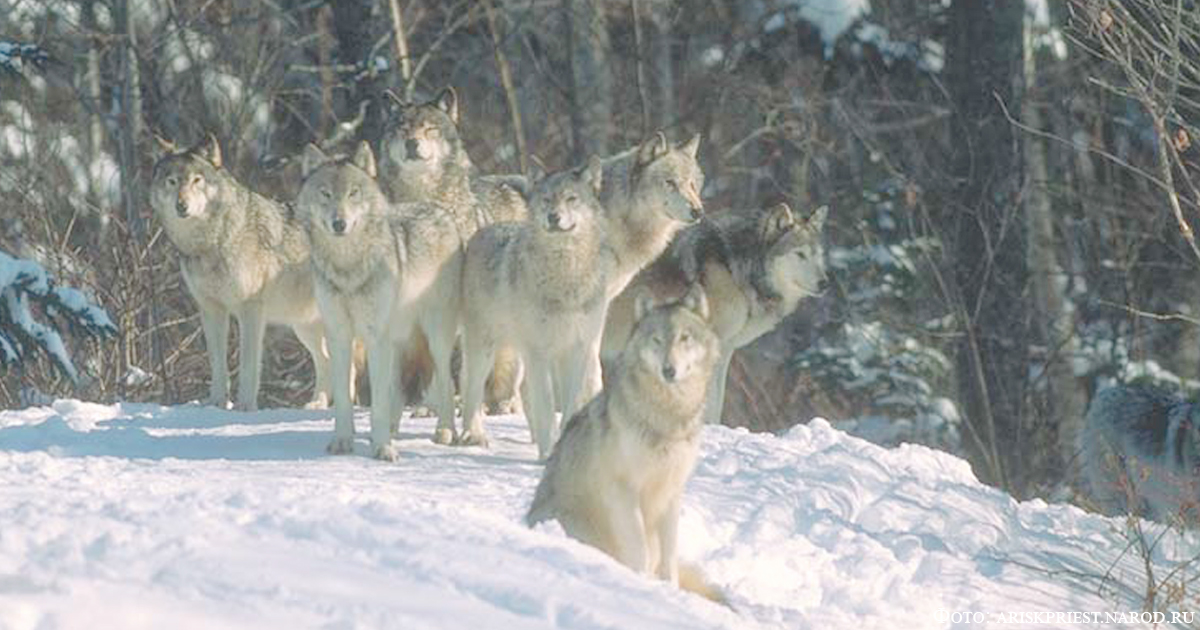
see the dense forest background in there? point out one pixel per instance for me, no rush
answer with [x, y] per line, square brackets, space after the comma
[1011, 185]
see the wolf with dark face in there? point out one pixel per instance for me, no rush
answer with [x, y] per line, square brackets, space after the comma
[243, 255]
[754, 269]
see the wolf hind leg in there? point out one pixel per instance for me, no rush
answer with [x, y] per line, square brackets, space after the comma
[312, 336]
[251, 327]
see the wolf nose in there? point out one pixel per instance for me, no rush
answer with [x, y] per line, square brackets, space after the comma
[412, 148]
[554, 219]
[668, 372]
[338, 225]
[697, 213]
[823, 285]
[181, 208]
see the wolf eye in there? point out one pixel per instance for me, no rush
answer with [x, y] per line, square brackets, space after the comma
[802, 254]
[685, 337]
[571, 199]
[657, 339]
[434, 133]
[673, 184]
[355, 192]
[326, 194]
[196, 179]
[172, 181]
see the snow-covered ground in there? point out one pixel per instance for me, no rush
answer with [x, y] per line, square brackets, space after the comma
[139, 516]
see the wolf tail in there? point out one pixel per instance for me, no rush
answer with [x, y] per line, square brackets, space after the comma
[692, 579]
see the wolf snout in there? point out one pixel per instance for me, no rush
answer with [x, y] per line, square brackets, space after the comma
[668, 372]
[181, 208]
[338, 226]
[412, 149]
[697, 213]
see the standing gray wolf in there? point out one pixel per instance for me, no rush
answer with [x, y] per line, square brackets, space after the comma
[381, 272]
[648, 201]
[423, 160]
[241, 254]
[540, 288]
[754, 269]
[1141, 453]
[616, 478]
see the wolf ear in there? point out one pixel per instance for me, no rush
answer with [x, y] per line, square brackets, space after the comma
[364, 158]
[393, 103]
[643, 303]
[163, 147]
[210, 150]
[593, 174]
[447, 101]
[691, 147]
[816, 221]
[696, 301]
[312, 159]
[777, 222]
[652, 149]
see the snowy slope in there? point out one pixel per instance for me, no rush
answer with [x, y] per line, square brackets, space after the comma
[139, 516]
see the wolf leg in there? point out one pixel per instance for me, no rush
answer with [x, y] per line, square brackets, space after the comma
[313, 338]
[381, 357]
[628, 529]
[215, 322]
[251, 326]
[715, 397]
[539, 402]
[441, 346]
[339, 336]
[666, 533]
[477, 355]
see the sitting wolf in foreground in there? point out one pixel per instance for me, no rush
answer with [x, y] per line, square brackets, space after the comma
[616, 477]
[240, 254]
[1141, 453]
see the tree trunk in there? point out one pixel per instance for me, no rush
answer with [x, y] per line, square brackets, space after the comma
[987, 236]
[591, 83]
[1065, 400]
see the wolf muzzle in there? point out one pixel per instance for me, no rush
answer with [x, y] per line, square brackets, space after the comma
[412, 149]
[181, 207]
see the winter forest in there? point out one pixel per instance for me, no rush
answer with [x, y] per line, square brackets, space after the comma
[1012, 190]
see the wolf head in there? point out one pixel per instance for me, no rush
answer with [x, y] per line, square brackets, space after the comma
[568, 200]
[187, 184]
[422, 138]
[673, 343]
[669, 179]
[794, 257]
[339, 196]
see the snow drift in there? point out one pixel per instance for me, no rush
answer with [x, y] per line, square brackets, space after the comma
[140, 516]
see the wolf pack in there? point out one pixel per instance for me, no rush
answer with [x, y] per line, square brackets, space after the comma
[600, 294]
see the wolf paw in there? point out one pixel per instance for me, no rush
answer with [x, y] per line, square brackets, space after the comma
[471, 438]
[444, 436]
[341, 446]
[246, 406]
[385, 452]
